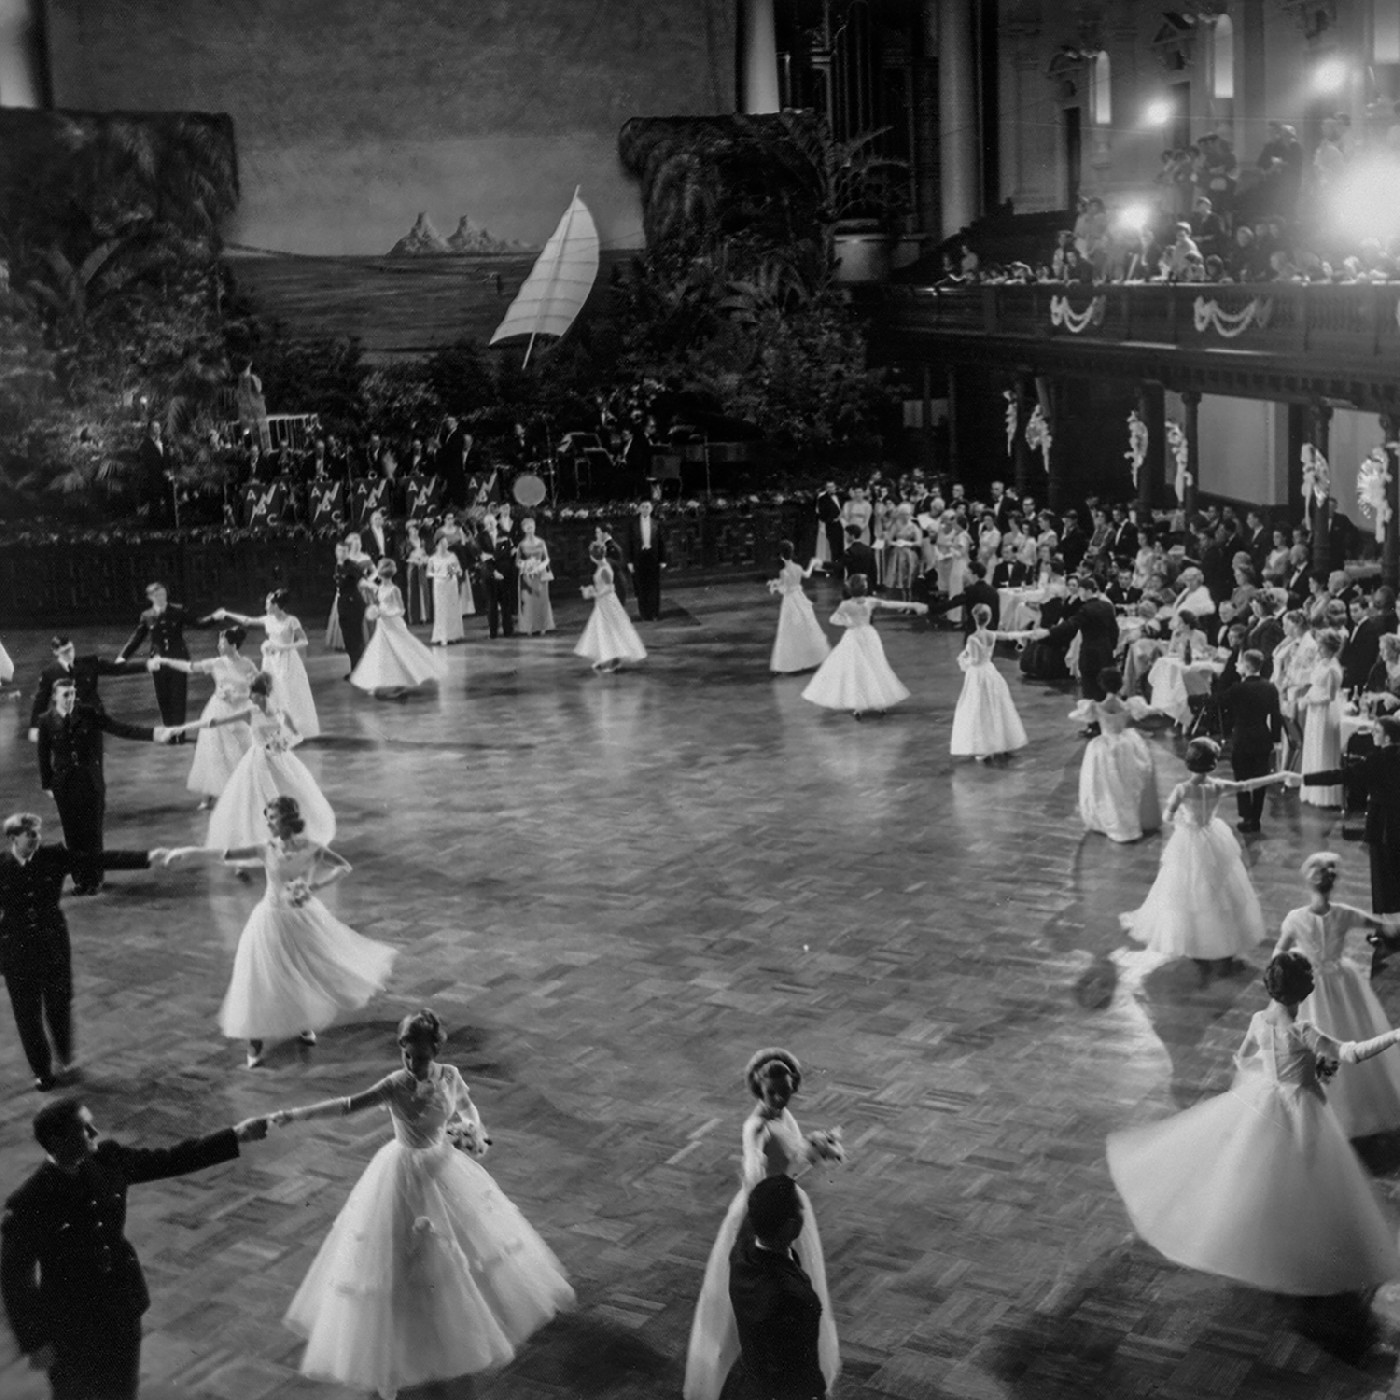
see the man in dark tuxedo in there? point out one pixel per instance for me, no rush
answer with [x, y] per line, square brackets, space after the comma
[1009, 571]
[35, 955]
[1363, 647]
[164, 624]
[1123, 538]
[1003, 502]
[859, 558]
[155, 467]
[1258, 540]
[1074, 543]
[498, 575]
[646, 553]
[1256, 726]
[777, 1312]
[70, 771]
[350, 573]
[828, 505]
[1097, 625]
[378, 539]
[975, 590]
[72, 1284]
[84, 670]
[1265, 631]
[1121, 591]
[451, 464]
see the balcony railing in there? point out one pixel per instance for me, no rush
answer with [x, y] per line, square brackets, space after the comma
[1358, 322]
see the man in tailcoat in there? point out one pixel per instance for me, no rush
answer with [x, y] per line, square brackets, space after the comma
[70, 770]
[71, 1282]
[828, 505]
[84, 670]
[1097, 625]
[498, 575]
[1257, 725]
[975, 590]
[35, 956]
[164, 624]
[646, 553]
[350, 574]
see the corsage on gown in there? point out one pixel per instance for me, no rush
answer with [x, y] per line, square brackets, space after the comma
[856, 676]
[800, 645]
[985, 721]
[394, 659]
[218, 752]
[772, 1147]
[298, 967]
[1260, 1184]
[429, 1271]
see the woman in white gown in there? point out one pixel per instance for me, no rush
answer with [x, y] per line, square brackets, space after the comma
[800, 645]
[281, 656]
[395, 661]
[985, 722]
[218, 752]
[446, 574]
[269, 769]
[609, 639]
[1181, 671]
[1117, 780]
[1368, 1099]
[429, 1272]
[297, 968]
[773, 1145]
[1322, 727]
[952, 546]
[1259, 1184]
[1293, 661]
[1201, 905]
[856, 677]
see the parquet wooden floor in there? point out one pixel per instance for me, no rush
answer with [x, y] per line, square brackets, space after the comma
[614, 889]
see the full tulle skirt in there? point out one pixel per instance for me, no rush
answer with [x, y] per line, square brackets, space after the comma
[536, 614]
[1201, 904]
[609, 634]
[429, 1272]
[1260, 1185]
[447, 611]
[856, 676]
[1322, 752]
[1118, 787]
[237, 819]
[218, 752]
[334, 641]
[291, 689]
[297, 969]
[800, 645]
[395, 659]
[985, 719]
[714, 1337]
[1365, 1097]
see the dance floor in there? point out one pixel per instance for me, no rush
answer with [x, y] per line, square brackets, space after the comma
[614, 889]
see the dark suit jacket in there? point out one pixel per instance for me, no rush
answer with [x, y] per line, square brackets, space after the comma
[372, 548]
[978, 591]
[1265, 635]
[859, 558]
[1298, 585]
[778, 1317]
[828, 508]
[1255, 719]
[85, 673]
[166, 631]
[1008, 574]
[64, 1255]
[1363, 649]
[1123, 543]
[1097, 625]
[1074, 545]
[72, 745]
[634, 541]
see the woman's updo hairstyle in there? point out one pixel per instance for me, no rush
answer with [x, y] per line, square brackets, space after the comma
[1330, 641]
[981, 614]
[1202, 755]
[235, 636]
[423, 1025]
[288, 813]
[857, 585]
[597, 551]
[1188, 617]
[786, 549]
[1289, 978]
[278, 597]
[261, 684]
[762, 1064]
[1110, 680]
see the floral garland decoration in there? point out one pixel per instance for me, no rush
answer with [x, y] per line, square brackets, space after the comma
[1372, 478]
[1039, 436]
[1181, 451]
[1207, 314]
[1013, 417]
[1136, 454]
[1317, 475]
[1077, 322]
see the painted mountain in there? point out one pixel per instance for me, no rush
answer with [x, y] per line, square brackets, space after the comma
[423, 238]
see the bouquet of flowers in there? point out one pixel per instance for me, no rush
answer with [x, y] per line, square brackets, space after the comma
[826, 1145]
[298, 891]
[468, 1137]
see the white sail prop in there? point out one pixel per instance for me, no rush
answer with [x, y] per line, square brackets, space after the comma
[558, 284]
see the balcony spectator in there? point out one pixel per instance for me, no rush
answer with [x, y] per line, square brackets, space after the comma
[1281, 165]
[1215, 270]
[1176, 259]
[1207, 229]
[1282, 268]
[1077, 270]
[1329, 160]
[1064, 242]
[1221, 171]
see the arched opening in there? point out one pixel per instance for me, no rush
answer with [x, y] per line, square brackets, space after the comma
[1101, 91]
[1223, 60]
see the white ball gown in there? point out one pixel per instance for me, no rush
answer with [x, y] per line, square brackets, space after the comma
[772, 1147]
[1117, 780]
[985, 721]
[429, 1271]
[1260, 1184]
[1365, 1098]
[394, 659]
[1322, 732]
[856, 676]
[800, 645]
[218, 752]
[269, 769]
[282, 661]
[298, 967]
[1201, 905]
[609, 634]
[448, 593]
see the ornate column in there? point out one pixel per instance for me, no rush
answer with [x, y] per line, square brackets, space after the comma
[951, 21]
[1021, 452]
[1152, 409]
[1191, 401]
[1320, 435]
[760, 65]
[1390, 551]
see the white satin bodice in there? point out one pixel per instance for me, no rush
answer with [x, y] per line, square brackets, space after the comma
[284, 862]
[232, 676]
[1322, 938]
[1198, 803]
[389, 600]
[421, 1110]
[773, 1147]
[270, 732]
